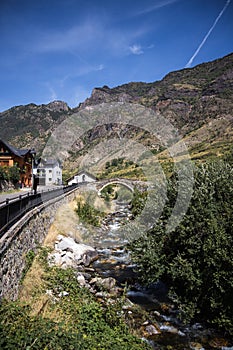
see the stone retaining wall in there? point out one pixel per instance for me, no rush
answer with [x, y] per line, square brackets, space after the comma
[27, 234]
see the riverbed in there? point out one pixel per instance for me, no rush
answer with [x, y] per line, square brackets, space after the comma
[149, 311]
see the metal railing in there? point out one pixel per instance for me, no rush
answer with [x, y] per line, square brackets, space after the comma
[15, 208]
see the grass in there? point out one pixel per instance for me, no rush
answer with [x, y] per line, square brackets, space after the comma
[41, 319]
[10, 191]
[65, 223]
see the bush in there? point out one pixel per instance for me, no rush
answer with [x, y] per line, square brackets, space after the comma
[195, 260]
[81, 322]
[14, 174]
[88, 214]
[10, 174]
[3, 173]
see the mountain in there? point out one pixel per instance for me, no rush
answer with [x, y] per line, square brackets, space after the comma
[31, 125]
[197, 101]
[188, 97]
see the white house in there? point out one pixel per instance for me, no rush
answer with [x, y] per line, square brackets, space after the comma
[49, 172]
[81, 177]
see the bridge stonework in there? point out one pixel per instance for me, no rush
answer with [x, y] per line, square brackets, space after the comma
[26, 235]
[130, 184]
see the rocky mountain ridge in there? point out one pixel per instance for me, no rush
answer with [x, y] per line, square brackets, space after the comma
[197, 101]
[31, 125]
[188, 96]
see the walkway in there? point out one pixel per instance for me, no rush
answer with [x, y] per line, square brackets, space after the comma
[15, 195]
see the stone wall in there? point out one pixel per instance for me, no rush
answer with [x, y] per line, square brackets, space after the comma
[27, 234]
[6, 185]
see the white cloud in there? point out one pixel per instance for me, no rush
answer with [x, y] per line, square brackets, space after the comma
[100, 67]
[81, 36]
[136, 49]
[150, 47]
[155, 7]
[90, 36]
[82, 70]
[79, 95]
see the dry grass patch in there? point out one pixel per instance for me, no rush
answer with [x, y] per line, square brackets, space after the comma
[33, 293]
[65, 223]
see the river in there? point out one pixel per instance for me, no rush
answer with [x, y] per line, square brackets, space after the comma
[149, 312]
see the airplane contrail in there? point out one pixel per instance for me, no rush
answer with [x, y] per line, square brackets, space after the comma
[208, 34]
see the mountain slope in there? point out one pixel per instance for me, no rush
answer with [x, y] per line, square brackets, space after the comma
[31, 125]
[197, 101]
[187, 97]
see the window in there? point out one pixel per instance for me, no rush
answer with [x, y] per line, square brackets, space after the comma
[50, 179]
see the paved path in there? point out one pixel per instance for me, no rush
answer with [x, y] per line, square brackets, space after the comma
[23, 191]
[12, 195]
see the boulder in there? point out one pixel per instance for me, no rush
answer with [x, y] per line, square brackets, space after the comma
[68, 253]
[89, 257]
[104, 283]
[151, 330]
[81, 279]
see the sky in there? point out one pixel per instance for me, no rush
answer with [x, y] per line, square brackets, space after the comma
[62, 49]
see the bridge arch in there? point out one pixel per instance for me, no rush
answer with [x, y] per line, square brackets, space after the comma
[116, 182]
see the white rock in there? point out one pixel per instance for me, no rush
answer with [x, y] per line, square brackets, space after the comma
[49, 292]
[151, 330]
[81, 279]
[63, 294]
[69, 253]
[55, 258]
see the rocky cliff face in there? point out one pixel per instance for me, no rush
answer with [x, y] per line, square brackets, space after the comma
[197, 101]
[31, 125]
[187, 97]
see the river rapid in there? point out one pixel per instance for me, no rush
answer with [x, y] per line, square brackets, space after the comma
[147, 310]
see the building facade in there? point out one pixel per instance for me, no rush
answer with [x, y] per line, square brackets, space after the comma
[49, 172]
[21, 158]
[81, 177]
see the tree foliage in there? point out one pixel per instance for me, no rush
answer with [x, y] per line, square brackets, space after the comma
[88, 213]
[10, 174]
[195, 260]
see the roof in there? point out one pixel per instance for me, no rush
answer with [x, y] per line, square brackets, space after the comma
[83, 171]
[18, 152]
[50, 162]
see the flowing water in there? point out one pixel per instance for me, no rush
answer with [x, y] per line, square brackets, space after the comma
[156, 316]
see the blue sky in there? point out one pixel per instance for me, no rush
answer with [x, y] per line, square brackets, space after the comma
[62, 49]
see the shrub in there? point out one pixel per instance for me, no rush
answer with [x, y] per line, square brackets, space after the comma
[3, 173]
[81, 322]
[195, 260]
[14, 174]
[88, 214]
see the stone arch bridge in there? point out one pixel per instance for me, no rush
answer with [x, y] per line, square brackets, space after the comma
[130, 184]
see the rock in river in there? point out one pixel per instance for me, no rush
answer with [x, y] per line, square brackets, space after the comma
[68, 253]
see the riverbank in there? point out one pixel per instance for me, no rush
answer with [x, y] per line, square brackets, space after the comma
[146, 309]
[95, 295]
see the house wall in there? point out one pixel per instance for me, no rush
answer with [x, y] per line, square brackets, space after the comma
[84, 178]
[48, 176]
[52, 174]
[25, 170]
[57, 175]
[23, 163]
[81, 178]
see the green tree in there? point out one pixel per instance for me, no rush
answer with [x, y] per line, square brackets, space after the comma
[107, 165]
[14, 174]
[195, 260]
[3, 173]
